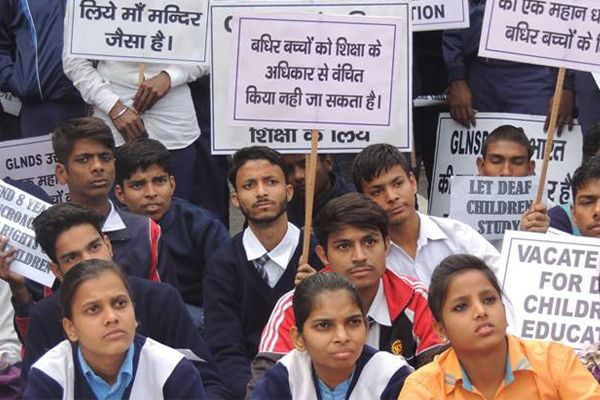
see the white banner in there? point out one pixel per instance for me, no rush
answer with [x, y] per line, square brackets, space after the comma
[491, 205]
[457, 150]
[339, 139]
[553, 286]
[17, 211]
[10, 104]
[559, 33]
[142, 31]
[317, 71]
[34, 161]
[434, 15]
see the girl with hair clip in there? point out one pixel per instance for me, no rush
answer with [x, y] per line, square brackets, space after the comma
[331, 360]
[103, 357]
[485, 362]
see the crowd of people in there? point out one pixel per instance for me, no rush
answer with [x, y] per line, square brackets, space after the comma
[155, 297]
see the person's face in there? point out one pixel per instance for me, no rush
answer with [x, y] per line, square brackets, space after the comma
[358, 254]
[261, 192]
[333, 335]
[473, 316]
[103, 319]
[77, 244]
[394, 192]
[90, 170]
[296, 164]
[506, 158]
[147, 192]
[586, 209]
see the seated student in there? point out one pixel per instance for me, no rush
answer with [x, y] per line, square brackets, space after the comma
[418, 241]
[331, 359]
[484, 362]
[560, 215]
[69, 234]
[328, 185]
[103, 357]
[353, 240]
[247, 276]
[507, 152]
[190, 234]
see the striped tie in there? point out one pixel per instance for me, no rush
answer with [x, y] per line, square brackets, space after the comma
[259, 264]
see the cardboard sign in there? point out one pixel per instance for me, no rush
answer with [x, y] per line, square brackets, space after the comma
[34, 161]
[17, 211]
[317, 71]
[143, 31]
[434, 15]
[553, 285]
[344, 138]
[491, 205]
[560, 33]
[457, 150]
[10, 104]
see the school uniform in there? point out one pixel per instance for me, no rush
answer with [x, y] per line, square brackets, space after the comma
[238, 298]
[377, 375]
[156, 371]
[534, 370]
[190, 236]
[161, 315]
[400, 322]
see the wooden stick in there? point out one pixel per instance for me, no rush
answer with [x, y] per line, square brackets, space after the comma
[413, 154]
[309, 191]
[550, 134]
[141, 73]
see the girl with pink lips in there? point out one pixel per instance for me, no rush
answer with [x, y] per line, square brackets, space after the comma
[485, 362]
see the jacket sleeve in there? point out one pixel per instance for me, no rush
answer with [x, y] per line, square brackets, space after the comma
[276, 337]
[183, 74]
[41, 386]
[394, 386]
[184, 383]
[7, 48]
[274, 385]
[38, 342]
[459, 45]
[224, 332]
[429, 342]
[158, 256]
[212, 237]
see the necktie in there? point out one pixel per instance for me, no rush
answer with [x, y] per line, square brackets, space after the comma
[259, 264]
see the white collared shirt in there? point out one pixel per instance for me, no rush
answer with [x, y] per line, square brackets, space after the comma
[380, 313]
[439, 238]
[113, 221]
[279, 257]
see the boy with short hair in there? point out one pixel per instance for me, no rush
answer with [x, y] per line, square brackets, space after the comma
[586, 198]
[190, 234]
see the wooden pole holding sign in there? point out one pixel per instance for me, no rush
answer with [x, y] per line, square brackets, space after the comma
[550, 134]
[311, 169]
[141, 74]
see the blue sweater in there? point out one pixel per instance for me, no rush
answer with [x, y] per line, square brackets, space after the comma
[162, 372]
[161, 315]
[237, 305]
[190, 236]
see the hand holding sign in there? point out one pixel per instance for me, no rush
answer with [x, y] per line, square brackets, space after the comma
[15, 280]
[536, 219]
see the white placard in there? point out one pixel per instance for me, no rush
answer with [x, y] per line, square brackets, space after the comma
[491, 205]
[317, 71]
[559, 33]
[10, 104]
[553, 286]
[142, 31]
[434, 15]
[33, 160]
[17, 211]
[457, 150]
[344, 138]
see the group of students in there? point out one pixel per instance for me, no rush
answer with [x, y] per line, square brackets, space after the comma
[249, 320]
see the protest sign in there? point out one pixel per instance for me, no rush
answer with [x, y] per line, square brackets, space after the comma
[142, 31]
[344, 138]
[317, 71]
[10, 104]
[17, 211]
[560, 33]
[34, 161]
[491, 205]
[457, 149]
[433, 15]
[553, 285]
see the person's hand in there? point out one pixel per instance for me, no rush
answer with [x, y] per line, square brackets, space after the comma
[303, 272]
[460, 101]
[535, 219]
[15, 281]
[127, 121]
[565, 112]
[150, 91]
